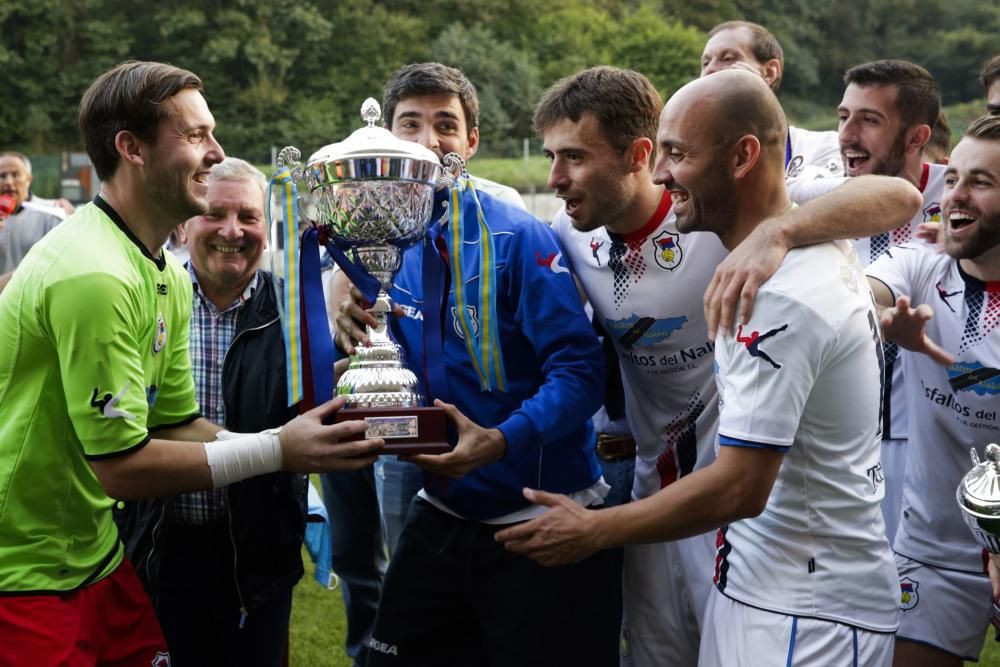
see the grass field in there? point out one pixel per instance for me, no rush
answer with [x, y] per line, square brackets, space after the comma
[318, 627]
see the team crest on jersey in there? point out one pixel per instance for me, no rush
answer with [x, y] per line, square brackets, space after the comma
[908, 597]
[932, 213]
[551, 261]
[161, 334]
[473, 317]
[668, 252]
[975, 377]
[161, 659]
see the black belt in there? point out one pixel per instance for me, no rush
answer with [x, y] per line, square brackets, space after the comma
[613, 447]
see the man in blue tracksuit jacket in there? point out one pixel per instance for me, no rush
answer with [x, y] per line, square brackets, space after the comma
[453, 595]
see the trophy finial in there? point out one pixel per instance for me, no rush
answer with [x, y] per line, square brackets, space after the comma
[371, 111]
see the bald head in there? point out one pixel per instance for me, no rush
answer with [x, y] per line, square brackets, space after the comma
[734, 103]
[721, 145]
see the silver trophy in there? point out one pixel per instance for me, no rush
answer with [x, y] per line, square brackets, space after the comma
[978, 495]
[372, 196]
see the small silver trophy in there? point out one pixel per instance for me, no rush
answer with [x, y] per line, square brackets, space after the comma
[978, 495]
[372, 196]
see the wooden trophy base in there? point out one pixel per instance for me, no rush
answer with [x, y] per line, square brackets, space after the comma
[405, 430]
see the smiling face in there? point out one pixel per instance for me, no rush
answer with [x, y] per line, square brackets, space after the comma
[178, 163]
[227, 241]
[689, 164]
[14, 178]
[587, 173]
[436, 122]
[872, 138]
[971, 202]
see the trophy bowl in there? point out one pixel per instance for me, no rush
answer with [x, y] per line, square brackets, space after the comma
[978, 495]
[372, 196]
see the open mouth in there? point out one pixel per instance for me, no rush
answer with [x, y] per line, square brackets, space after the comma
[959, 220]
[572, 204]
[679, 198]
[855, 160]
[201, 178]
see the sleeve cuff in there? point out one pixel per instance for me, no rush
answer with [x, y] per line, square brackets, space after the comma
[517, 430]
[184, 422]
[121, 452]
[726, 441]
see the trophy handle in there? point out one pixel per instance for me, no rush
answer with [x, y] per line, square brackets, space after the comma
[289, 157]
[454, 166]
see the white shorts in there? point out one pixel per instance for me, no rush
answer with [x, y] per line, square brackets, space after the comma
[738, 635]
[946, 609]
[665, 588]
[893, 466]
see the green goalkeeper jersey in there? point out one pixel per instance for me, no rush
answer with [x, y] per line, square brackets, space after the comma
[93, 353]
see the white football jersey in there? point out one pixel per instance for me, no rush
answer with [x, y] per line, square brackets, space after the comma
[811, 149]
[952, 408]
[813, 183]
[646, 289]
[804, 376]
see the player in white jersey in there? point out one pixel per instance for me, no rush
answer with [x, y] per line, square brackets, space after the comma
[952, 405]
[886, 117]
[715, 493]
[746, 45]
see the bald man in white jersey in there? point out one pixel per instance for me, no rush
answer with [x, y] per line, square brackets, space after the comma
[645, 283]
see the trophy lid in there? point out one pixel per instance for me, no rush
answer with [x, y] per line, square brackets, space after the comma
[979, 490]
[372, 141]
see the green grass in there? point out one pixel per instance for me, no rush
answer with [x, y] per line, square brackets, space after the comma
[319, 626]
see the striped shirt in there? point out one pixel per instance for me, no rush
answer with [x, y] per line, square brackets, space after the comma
[212, 332]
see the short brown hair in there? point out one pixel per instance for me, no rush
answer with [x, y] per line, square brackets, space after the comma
[130, 97]
[918, 100]
[422, 79]
[984, 127]
[990, 73]
[624, 102]
[763, 44]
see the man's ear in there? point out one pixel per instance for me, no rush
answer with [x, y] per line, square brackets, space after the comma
[917, 137]
[473, 143]
[772, 71]
[745, 154]
[130, 147]
[639, 154]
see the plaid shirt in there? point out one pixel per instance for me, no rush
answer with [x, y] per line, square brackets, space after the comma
[212, 332]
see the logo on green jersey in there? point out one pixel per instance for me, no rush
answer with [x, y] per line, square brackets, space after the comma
[107, 404]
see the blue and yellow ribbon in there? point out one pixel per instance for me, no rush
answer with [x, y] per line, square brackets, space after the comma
[483, 347]
[283, 183]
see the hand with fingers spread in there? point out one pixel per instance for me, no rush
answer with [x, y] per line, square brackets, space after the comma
[564, 534]
[739, 276]
[476, 447]
[309, 445]
[907, 327]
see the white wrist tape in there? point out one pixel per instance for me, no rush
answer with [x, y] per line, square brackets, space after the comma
[234, 457]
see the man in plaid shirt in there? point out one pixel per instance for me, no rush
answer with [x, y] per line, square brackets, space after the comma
[229, 556]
